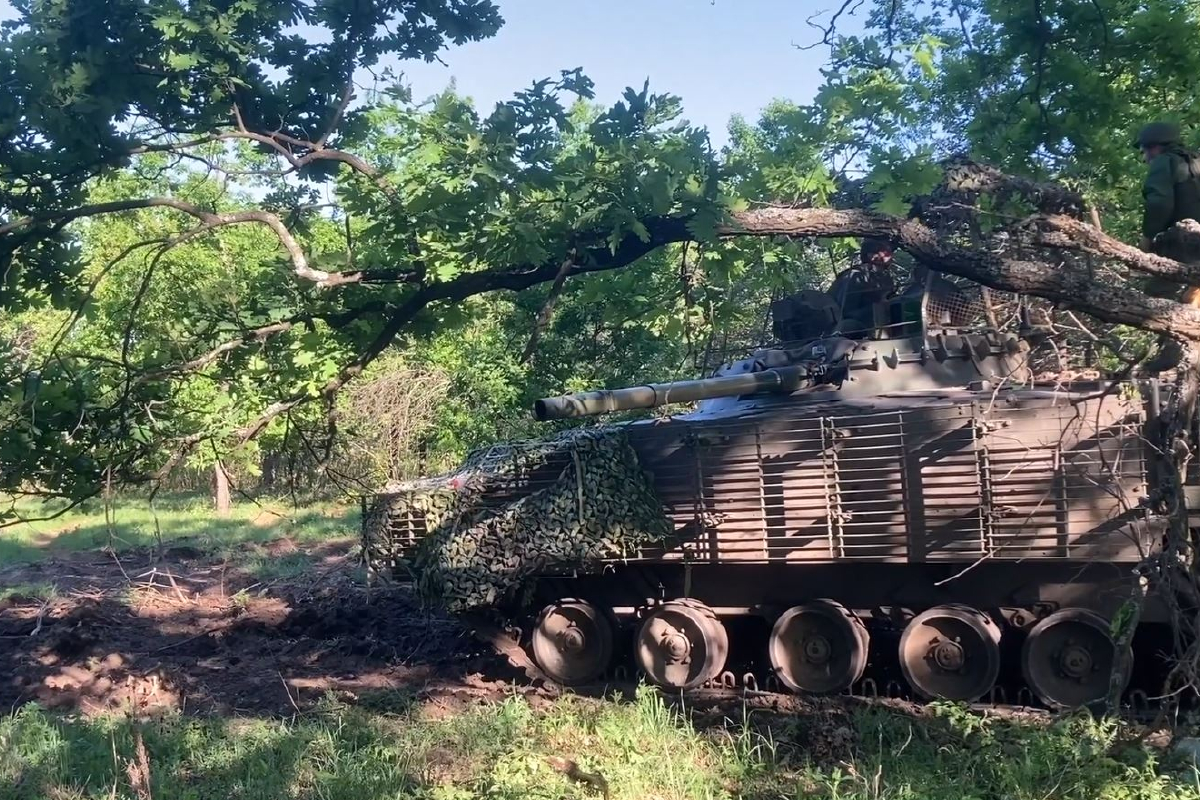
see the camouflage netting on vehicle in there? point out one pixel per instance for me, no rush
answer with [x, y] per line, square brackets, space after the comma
[595, 503]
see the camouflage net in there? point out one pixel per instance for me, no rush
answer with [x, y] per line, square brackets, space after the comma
[600, 505]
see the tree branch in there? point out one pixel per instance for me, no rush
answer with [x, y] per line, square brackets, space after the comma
[1065, 233]
[547, 311]
[316, 151]
[211, 220]
[347, 96]
[828, 31]
[283, 145]
[1062, 283]
[261, 334]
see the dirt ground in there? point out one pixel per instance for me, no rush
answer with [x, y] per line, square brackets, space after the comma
[142, 631]
[183, 630]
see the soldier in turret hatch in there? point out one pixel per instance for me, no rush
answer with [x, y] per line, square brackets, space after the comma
[1171, 194]
[857, 289]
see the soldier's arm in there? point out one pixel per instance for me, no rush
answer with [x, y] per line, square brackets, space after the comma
[887, 285]
[1159, 194]
[837, 290]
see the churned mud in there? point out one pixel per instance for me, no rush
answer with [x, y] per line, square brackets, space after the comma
[144, 631]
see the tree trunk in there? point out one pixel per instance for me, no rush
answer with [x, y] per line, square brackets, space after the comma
[1171, 452]
[270, 470]
[221, 490]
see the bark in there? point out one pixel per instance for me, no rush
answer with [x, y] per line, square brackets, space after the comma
[221, 501]
[270, 470]
[1069, 285]
[544, 316]
[1178, 259]
[1066, 284]
[208, 221]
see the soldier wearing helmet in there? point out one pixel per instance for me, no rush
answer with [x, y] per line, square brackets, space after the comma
[1172, 186]
[856, 290]
[847, 308]
[1171, 194]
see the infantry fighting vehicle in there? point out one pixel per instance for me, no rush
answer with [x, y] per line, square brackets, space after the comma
[902, 505]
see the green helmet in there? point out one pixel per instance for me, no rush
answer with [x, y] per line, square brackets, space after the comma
[1161, 133]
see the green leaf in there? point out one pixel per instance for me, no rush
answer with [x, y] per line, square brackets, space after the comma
[445, 270]
[924, 60]
[703, 226]
[659, 187]
[892, 202]
[181, 62]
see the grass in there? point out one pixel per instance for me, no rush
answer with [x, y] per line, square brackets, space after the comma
[29, 591]
[135, 524]
[267, 567]
[644, 749]
[389, 746]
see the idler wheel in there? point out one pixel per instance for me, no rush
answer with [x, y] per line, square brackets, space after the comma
[573, 642]
[818, 647]
[1068, 658]
[681, 645]
[951, 652]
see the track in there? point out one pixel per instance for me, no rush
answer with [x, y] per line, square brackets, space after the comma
[1138, 705]
[881, 682]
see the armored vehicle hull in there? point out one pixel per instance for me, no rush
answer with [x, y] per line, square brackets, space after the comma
[907, 512]
[1014, 505]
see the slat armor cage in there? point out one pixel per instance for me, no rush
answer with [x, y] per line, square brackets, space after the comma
[924, 477]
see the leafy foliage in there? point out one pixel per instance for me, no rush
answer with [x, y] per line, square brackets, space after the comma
[1056, 90]
[89, 84]
[205, 236]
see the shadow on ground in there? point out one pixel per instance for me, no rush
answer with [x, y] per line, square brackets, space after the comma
[299, 682]
[271, 630]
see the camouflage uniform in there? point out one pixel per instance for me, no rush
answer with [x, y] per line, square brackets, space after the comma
[856, 291]
[1172, 187]
[852, 298]
[1171, 194]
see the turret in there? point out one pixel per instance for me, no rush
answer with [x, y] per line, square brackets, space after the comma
[921, 342]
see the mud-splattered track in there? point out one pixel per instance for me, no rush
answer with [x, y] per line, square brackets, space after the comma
[189, 631]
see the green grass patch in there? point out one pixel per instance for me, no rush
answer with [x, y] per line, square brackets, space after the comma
[266, 567]
[643, 749]
[133, 522]
[28, 591]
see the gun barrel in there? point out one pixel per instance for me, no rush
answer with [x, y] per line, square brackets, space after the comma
[603, 401]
